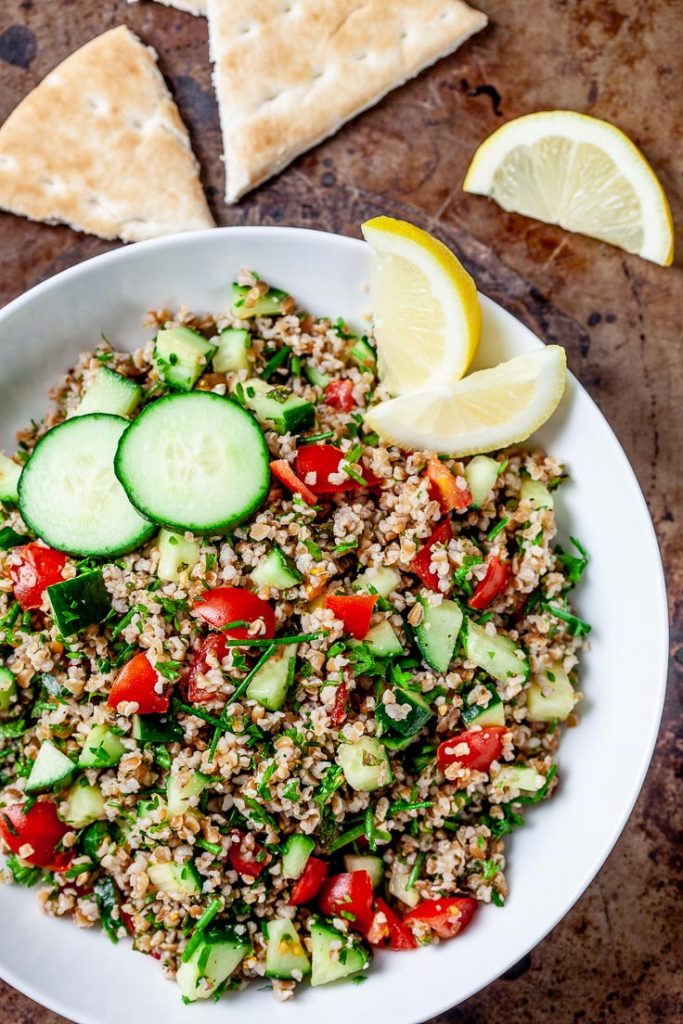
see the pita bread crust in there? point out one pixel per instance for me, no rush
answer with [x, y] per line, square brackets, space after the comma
[288, 73]
[99, 145]
[191, 6]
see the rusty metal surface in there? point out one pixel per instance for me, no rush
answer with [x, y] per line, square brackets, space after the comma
[616, 956]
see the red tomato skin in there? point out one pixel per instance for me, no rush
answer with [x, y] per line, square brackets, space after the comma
[494, 583]
[213, 644]
[485, 745]
[444, 487]
[310, 883]
[422, 560]
[248, 867]
[324, 460]
[41, 828]
[391, 931]
[447, 917]
[38, 568]
[354, 610]
[136, 682]
[127, 922]
[338, 713]
[286, 475]
[235, 604]
[348, 893]
[339, 394]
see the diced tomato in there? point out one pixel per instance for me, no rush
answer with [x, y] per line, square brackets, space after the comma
[247, 860]
[483, 747]
[324, 460]
[387, 929]
[493, 583]
[40, 828]
[338, 713]
[445, 917]
[310, 882]
[38, 568]
[444, 487]
[348, 896]
[235, 604]
[420, 564]
[339, 394]
[214, 646]
[286, 475]
[137, 681]
[354, 610]
[127, 922]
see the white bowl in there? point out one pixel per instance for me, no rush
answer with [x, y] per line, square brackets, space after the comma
[602, 763]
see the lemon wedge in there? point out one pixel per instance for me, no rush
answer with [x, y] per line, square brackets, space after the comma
[489, 409]
[425, 308]
[582, 173]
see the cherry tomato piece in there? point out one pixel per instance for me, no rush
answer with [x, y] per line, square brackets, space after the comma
[339, 394]
[354, 610]
[421, 563]
[137, 682]
[235, 604]
[387, 929]
[247, 860]
[286, 475]
[493, 583]
[445, 917]
[348, 896]
[338, 713]
[310, 883]
[39, 828]
[324, 461]
[37, 569]
[444, 487]
[213, 646]
[474, 748]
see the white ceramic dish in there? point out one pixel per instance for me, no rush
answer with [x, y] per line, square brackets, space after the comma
[602, 764]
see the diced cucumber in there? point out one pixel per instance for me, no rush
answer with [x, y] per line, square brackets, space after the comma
[10, 472]
[194, 462]
[365, 764]
[232, 345]
[298, 849]
[270, 684]
[481, 474]
[518, 776]
[437, 633]
[276, 570]
[112, 393]
[177, 556]
[102, 748]
[382, 581]
[51, 769]
[315, 376]
[398, 884]
[156, 729]
[419, 714]
[9, 538]
[286, 957]
[79, 602]
[496, 655]
[220, 953]
[181, 797]
[364, 354]
[551, 696]
[269, 304]
[276, 407]
[537, 493]
[176, 879]
[181, 355]
[84, 804]
[334, 955]
[382, 640]
[8, 689]
[398, 742]
[69, 495]
[373, 866]
[492, 714]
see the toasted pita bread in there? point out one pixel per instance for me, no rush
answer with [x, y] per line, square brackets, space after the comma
[191, 6]
[288, 73]
[99, 145]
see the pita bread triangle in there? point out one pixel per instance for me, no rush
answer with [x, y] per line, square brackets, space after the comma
[288, 73]
[99, 145]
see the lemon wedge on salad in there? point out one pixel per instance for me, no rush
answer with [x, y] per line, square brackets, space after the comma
[487, 410]
[577, 171]
[425, 308]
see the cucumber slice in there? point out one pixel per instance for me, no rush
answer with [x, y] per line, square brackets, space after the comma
[10, 472]
[373, 866]
[177, 555]
[218, 955]
[276, 407]
[419, 714]
[84, 804]
[536, 493]
[276, 570]
[8, 689]
[270, 684]
[334, 955]
[492, 714]
[518, 777]
[102, 749]
[176, 879]
[551, 696]
[383, 581]
[398, 884]
[51, 769]
[181, 355]
[382, 640]
[481, 474]
[111, 393]
[365, 764]
[181, 798]
[69, 495]
[494, 654]
[315, 376]
[232, 345]
[362, 353]
[79, 602]
[194, 462]
[269, 304]
[298, 849]
[437, 633]
[156, 729]
[286, 957]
